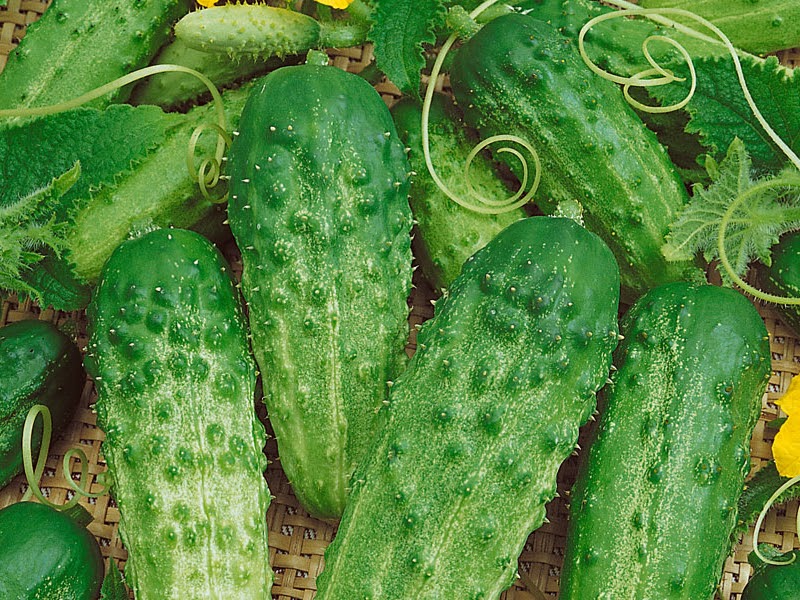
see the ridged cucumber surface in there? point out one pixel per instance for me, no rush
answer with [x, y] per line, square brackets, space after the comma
[170, 357]
[519, 76]
[447, 233]
[79, 45]
[319, 208]
[655, 503]
[475, 429]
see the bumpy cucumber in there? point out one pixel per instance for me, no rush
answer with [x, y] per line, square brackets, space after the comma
[519, 76]
[318, 206]
[78, 45]
[782, 276]
[477, 426]
[46, 555]
[263, 30]
[447, 234]
[172, 89]
[41, 365]
[655, 503]
[169, 354]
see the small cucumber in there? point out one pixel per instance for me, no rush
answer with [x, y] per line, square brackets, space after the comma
[447, 234]
[519, 76]
[468, 447]
[79, 45]
[46, 555]
[170, 357]
[774, 582]
[40, 365]
[655, 503]
[319, 208]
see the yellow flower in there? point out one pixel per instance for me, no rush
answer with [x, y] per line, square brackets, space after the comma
[336, 3]
[207, 3]
[786, 447]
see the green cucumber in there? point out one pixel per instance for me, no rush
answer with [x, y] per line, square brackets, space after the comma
[447, 234]
[47, 555]
[79, 45]
[782, 276]
[519, 76]
[466, 456]
[169, 354]
[263, 31]
[655, 503]
[774, 582]
[318, 206]
[41, 365]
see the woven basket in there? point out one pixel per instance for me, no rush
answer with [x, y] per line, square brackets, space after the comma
[297, 541]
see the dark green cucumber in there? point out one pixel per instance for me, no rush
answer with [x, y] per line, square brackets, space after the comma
[40, 365]
[169, 354]
[46, 555]
[782, 276]
[79, 45]
[319, 208]
[774, 582]
[447, 234]
[655, 503]
[477, 426]
[519, 76]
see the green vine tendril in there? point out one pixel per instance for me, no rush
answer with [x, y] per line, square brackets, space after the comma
[760, 520]
[641, 80]
[207, 175]
[481, 203]
[33, 474]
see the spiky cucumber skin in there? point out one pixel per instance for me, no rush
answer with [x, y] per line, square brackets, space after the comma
[96, 41]
[319, 209]
[41, 365]
[655, 503]
[254, 29]
[447, 234]
[469, 445]
[519, 76]
[782, 276]
[170, 358]
[159, 192]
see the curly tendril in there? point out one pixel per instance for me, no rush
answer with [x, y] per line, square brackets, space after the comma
[34, 474]
[478, 202]
[207, 175]
[764, 511]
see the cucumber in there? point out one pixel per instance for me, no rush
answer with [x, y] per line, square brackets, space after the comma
[771, 582]
[169, 354]
[782, 276]
[466, 455]
[41, 365]
[79, 45]
[519, 76]
[318, 206]
[46, 555]
[447, 234]
[655, 502]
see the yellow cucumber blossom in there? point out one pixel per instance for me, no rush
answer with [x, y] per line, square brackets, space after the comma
[207, 3]
[336, 3]
[786, 447]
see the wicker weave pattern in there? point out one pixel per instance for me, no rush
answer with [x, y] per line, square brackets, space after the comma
[297, 541]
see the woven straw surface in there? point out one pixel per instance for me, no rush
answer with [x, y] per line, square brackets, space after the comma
[297, 541]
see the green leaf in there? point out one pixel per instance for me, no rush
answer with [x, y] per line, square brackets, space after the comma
[113, 586]
[769, 208]
[719, 112]
[400, 30]
[30, 229]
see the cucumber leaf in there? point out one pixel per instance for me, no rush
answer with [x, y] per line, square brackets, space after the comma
[771, 209]
[719, 112]
[113, 587]
[400, 30]
[29, 228]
